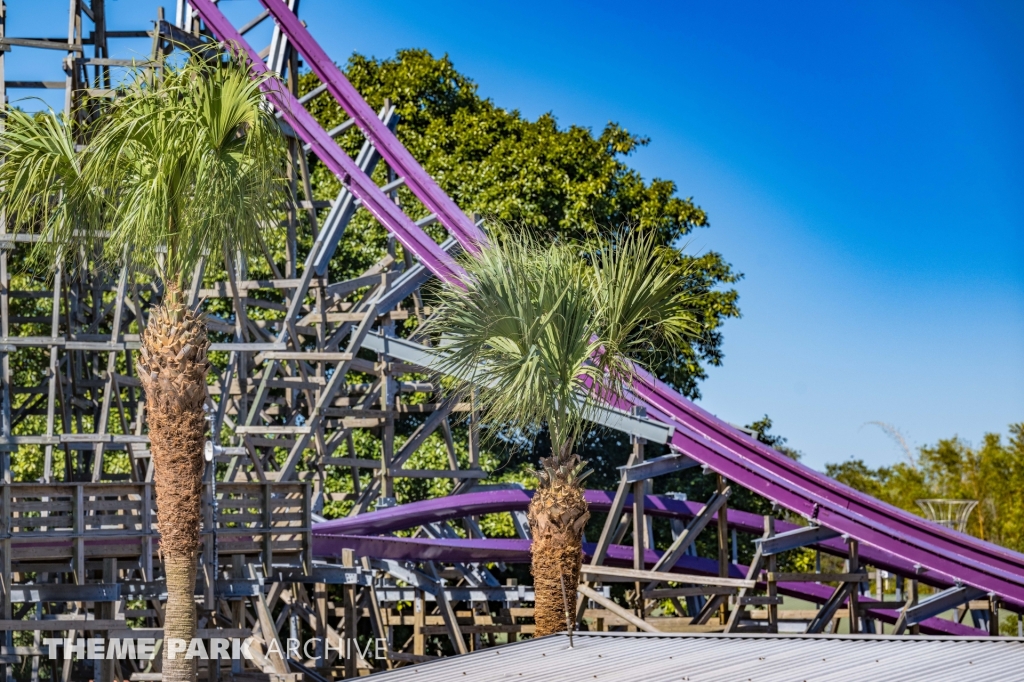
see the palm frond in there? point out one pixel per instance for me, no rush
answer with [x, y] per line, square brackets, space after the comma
[43, 190]
[646, 300]
[521, 331]
[180, 166]
[545, 330]
[190, 163]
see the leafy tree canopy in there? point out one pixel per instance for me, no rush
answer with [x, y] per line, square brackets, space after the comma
[558, 181]
[561, 182]
[991, 473]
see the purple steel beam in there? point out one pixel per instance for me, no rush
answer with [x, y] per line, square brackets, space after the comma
[705, 422]
[405, 516]
[952, 566]
[746, 461]
[518, 551]
[907, 538]
[416, 179]
[933, 548]
[509, 550]
[363, 188]
[743, 459]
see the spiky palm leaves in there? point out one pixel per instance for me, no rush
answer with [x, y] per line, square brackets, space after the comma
[545, 332]
[195, 161]
[43, 186]
[184, 165]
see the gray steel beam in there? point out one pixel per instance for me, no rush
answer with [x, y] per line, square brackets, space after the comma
[829, 608]
[794, 539]
[466, 594]
[329, 574]
[23, 594]
[659, 466]
[416, 276]
[423, 356]
[522, 524]
[936, 604]
[345, 204]
[693, 529]
[444, 605]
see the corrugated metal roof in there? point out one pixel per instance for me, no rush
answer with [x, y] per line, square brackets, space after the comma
[642, 657]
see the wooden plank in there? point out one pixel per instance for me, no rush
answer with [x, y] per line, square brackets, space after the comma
[818, 577]
[669, 592]
[411, 658]
[272, 429]
[353, 462]
[438, 473]
[60, 593]
[622, 613]
[39, 44]
[308, 356]
[630, 574]
[158, 633]
[59, 625]
[797, 614]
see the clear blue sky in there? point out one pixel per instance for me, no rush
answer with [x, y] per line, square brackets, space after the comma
[861, 163]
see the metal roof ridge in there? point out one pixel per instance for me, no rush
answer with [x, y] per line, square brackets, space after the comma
[787, 635]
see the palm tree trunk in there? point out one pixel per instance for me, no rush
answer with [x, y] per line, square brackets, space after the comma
[179, 615]
[173, 372]
[558, 514]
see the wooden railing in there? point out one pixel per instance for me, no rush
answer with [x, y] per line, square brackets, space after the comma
[78, 521]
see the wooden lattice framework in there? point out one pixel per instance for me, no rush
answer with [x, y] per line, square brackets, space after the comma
[293, 383]
[305, 365]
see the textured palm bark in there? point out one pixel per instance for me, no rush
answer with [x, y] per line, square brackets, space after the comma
[173, 372]
[179, 615]
[558, 514]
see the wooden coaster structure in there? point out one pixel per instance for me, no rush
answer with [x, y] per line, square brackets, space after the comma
[308, 362]
[78, 549]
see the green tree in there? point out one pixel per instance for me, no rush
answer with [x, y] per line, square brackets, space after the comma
[557, 181]
[992, 474]
[180, 166]
[541, 331]
[564, 181]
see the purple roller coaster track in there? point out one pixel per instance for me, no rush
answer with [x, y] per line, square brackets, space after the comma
[310, 364]
[361, 534]
[903, 541]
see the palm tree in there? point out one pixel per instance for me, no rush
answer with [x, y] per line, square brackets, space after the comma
[182, 165]
[545, 332]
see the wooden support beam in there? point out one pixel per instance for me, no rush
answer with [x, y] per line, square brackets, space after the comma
[853, 566]
[610, 574]
[755, 567]
[689, 535]
[639, 523]
[723, 546]
[773, 609]
[447, 613]
[622, 613]
[701, 591]
[859, 577]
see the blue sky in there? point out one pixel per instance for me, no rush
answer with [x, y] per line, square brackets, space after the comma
[861, 163]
